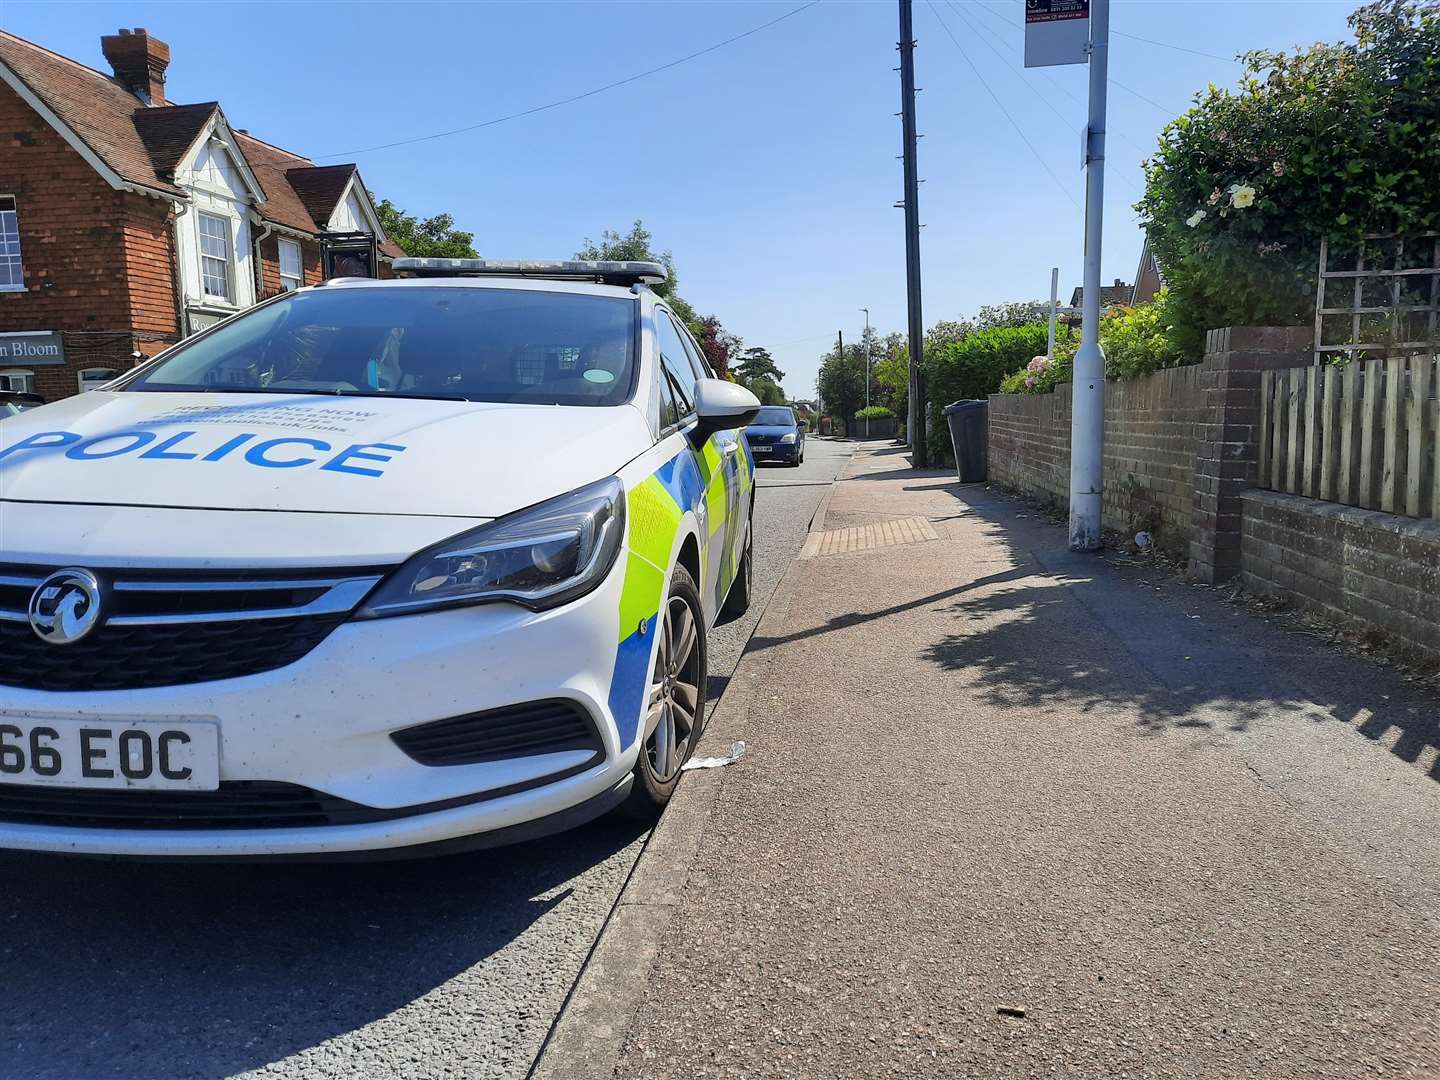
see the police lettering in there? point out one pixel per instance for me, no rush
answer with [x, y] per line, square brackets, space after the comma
[285, 452]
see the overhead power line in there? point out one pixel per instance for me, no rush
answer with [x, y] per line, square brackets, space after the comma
[578, 97]
[973, 27]
[1000, 104]
[1172, 113]
[1177, 48]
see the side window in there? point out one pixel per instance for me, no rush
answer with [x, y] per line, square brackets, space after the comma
[669, 411]
[675, 361]
[697, 357]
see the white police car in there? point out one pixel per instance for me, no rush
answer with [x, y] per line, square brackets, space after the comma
[374, 566]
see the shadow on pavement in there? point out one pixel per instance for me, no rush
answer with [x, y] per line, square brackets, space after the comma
[1091, 631]
[152, 970]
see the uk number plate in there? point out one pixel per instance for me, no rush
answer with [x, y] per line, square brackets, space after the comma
[760, 449]
[100, 753]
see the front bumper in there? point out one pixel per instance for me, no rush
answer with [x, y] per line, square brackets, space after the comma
[325, 721]
[776, 452]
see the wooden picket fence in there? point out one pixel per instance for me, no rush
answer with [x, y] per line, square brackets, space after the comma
[1363, 434]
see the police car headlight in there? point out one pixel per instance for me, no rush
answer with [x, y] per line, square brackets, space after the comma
[788, 438]
[540, 558]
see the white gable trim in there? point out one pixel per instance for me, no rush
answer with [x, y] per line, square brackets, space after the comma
[367, 208]
[72, 137]
[218, 130]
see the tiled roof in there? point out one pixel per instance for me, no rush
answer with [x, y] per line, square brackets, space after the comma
[269, 164]
[144, 144]
[96, 107]
[169, 132]
[320, 188]
[1110, 295]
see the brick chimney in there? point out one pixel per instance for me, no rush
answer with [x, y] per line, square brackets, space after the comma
[139, 62]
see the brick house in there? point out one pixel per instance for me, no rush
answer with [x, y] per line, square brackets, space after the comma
[128, 222]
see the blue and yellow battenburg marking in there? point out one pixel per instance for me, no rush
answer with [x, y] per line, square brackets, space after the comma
[656, 506]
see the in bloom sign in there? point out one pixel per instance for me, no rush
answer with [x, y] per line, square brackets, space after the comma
[31, 347]
[1056, 32]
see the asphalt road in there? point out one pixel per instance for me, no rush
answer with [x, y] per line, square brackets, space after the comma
[444, 968]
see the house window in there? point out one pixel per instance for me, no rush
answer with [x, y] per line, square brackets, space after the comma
[20, 381]
[292, 271]
[92, 377]
[12, 277]
[215, 256]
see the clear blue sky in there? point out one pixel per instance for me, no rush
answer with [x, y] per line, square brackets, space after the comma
[768, 167]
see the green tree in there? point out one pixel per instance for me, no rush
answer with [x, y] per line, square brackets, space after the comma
[757, 363]
[1012, 313]
[891, 375]
[637, 246]
[767, 390]
[434, 237]
[1329, 142]
[842, 381]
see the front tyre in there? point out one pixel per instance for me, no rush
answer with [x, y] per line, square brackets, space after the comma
[737, 600]
[675, 704]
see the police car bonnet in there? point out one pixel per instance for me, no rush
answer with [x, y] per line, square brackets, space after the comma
[310, 453]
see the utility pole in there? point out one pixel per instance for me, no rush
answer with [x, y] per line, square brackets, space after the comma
[915, 422]
[1054, 302]
[840, 357]
[1087, 421]
[866, 310]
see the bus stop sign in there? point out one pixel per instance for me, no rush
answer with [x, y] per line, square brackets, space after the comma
[1056, 32]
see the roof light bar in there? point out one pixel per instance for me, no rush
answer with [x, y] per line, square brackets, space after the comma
[605, 272]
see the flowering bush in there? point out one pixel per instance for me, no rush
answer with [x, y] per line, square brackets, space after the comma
[1136, 340]
[1336, 140]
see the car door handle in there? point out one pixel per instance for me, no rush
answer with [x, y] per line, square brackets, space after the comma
[731, 447]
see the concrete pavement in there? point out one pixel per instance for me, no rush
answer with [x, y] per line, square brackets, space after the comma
[1009, 811]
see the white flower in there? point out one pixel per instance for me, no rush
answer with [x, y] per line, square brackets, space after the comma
[1241, 196]
[1195, 218]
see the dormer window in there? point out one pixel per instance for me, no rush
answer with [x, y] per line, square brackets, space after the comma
[215, 257]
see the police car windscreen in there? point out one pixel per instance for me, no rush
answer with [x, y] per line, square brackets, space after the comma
[427, 342]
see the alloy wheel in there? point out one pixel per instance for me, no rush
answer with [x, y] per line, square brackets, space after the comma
[674, 692]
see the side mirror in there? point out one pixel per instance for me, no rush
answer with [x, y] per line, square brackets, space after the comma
[722, 406]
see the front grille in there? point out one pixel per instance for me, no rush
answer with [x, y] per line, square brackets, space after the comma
[139, 657]
[761, 440]
[537, 727]
[237, 804]
[167, 628]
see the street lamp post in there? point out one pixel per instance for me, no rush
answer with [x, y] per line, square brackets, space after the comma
[866, 310]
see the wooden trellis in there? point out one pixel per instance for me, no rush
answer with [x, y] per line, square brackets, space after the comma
[1386, 301]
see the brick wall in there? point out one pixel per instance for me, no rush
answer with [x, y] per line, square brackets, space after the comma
[1372, 571]
[1030, 444]
[1152, 431]
[97, 261]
